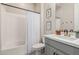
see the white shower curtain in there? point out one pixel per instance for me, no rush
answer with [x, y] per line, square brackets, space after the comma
[33, 22]
[13, 28]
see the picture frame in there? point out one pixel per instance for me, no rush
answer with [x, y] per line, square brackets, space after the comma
[48, 25]
[48, 13]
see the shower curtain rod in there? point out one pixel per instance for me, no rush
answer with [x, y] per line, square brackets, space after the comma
[19, 8]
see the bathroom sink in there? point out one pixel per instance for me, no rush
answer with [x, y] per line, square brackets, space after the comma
[66, 37]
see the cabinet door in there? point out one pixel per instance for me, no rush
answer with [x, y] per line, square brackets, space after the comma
[58, 52]
[49, 50]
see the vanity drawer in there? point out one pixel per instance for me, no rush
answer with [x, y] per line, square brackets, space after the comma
[60, 46]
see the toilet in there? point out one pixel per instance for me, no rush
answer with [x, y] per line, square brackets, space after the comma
[38, 46]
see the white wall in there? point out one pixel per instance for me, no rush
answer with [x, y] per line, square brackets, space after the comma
[37, 7]
[65, 12]
[76, 17]
[30, 6]
[0, 27]
[44, 19]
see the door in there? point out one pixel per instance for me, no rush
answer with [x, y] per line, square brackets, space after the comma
[33, 22]
[49, 50]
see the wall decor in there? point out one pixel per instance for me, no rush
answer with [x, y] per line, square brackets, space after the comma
[48, 13]
[48, 25]
[58, 23]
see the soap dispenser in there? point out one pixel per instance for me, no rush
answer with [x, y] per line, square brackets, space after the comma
[65, 32]
[71, 32]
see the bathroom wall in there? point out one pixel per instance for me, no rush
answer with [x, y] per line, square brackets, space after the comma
[44, 19]
[65, 11]
[76, 17]
[37, 7]
[30, 6]
[0, 26]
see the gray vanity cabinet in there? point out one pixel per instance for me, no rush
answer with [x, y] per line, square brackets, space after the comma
[53, 47]
[51, 50]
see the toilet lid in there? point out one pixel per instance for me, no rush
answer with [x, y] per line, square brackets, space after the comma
[38, 45]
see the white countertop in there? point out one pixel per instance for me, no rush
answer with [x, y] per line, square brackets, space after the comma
[64, 39]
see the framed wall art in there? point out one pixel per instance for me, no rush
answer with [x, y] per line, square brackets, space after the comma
[48, 25]
[48, 13]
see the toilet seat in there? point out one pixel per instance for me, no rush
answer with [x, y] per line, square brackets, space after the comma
[38, 45]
